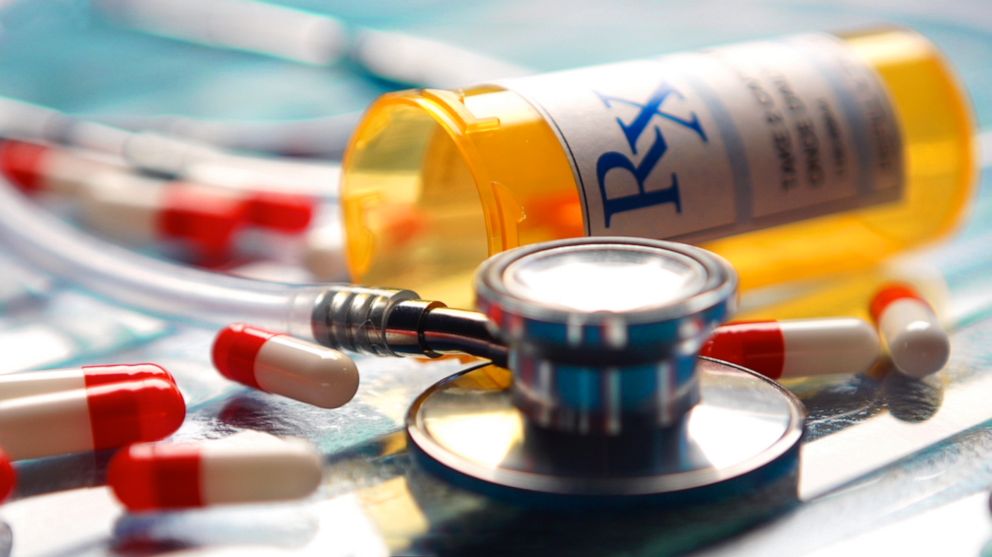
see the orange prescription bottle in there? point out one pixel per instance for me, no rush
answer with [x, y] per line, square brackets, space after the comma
[792, 158]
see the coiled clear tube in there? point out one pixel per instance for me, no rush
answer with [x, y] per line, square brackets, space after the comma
[150, 284]
[380, 321]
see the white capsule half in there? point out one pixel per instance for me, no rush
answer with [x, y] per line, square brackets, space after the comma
[828, 346]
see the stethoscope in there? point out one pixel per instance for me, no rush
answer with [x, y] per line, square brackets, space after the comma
[605, 401]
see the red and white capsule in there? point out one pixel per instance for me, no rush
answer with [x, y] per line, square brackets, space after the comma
[8, 477]
[150, 476]
[28, 383]
[280, 364]
[36, 168]
[90, 419]
[917, 343]
[797, 347]
[285, 213]
[136, 210]
[40, 168]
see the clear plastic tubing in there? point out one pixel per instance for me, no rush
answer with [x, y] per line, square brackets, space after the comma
[793, 158]
[125, 277]
[379, 321]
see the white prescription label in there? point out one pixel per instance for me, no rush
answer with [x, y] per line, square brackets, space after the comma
[701, 145]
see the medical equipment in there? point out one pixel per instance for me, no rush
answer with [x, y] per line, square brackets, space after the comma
[283, 365]
[608, 403]
[869, 133]
[238, 469]
[367, 320]
[917, 343]
[376, 321]
[95, 418]
[16, 385]
[697, 295]
[794, 348]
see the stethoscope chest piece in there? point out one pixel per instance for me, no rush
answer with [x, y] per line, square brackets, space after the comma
[606, 401]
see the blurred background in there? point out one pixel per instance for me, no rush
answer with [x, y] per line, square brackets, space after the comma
[88, 58]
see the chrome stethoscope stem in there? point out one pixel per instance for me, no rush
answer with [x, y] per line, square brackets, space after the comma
[389, 322]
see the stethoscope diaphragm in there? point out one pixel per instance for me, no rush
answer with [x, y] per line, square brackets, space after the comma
[606, 401]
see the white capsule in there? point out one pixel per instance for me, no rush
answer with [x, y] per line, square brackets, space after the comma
[284, 365]
[917, 343]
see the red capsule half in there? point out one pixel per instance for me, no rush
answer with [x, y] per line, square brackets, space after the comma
[23, 164]
[288, 213]
[8, 476]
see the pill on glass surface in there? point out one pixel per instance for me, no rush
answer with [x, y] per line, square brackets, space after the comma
[94, 418]
[917, 344]
[152, 476]
[284, 365]
[8, 477]
[14, 385]
[797, 347]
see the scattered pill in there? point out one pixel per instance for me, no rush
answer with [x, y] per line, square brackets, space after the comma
[151, 476]
[41, 168]
[131, 209]
[94, 418]
[284, 365]
[8, 477]
[798, 347]
[36, 168]
[917, 344]
[14, 385]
